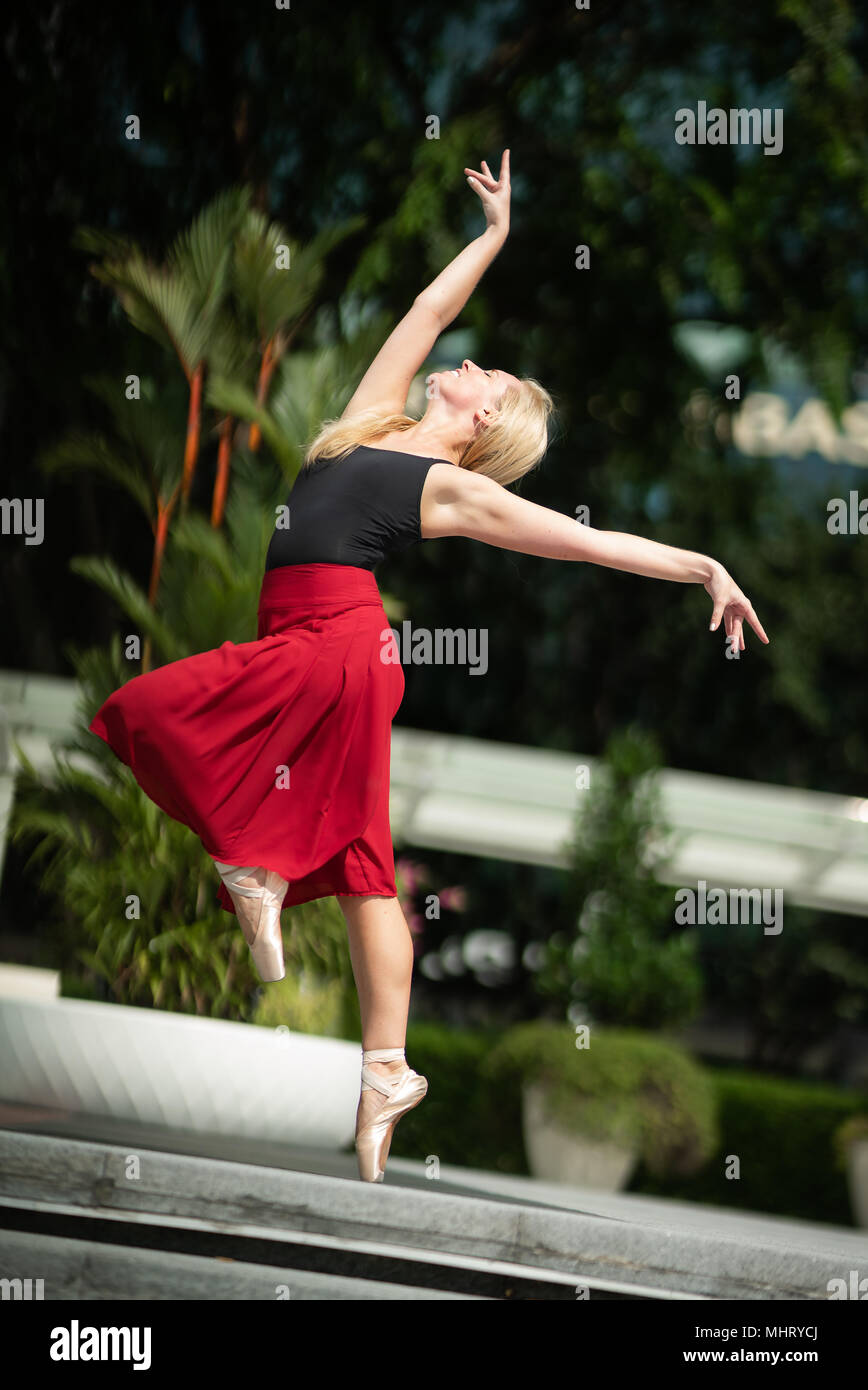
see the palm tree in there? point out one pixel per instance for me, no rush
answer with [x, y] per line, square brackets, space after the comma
[234, 291]
[182, 305]
[276, 281]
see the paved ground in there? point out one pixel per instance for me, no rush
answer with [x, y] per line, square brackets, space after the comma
[303, 1214]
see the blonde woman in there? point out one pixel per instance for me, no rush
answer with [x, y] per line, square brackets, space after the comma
[276, 752]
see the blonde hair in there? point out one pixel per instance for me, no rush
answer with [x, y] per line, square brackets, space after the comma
[509, 447]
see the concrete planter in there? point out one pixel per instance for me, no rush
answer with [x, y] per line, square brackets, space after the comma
[178, 1070]
[857, 1180]
[560, 1155]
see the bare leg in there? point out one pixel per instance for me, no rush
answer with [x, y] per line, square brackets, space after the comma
[381, 951]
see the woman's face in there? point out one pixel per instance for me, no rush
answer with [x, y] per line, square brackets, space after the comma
[469, 387]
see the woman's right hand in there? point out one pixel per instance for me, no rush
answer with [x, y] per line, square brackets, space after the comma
[493, 193]
[732, 606]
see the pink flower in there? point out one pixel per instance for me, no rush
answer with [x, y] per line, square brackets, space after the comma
[454, 899]
[412, 874]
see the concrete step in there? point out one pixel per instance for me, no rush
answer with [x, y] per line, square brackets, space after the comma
[492, 1235]
[77, 1270]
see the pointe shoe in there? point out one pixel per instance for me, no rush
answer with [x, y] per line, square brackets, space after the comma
[403, 1091]
[258, 912]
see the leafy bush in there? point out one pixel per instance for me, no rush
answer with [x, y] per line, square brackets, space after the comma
[628, 964]
[781, 1130]
[625, 1086]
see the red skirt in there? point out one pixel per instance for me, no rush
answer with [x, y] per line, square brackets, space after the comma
[277, 752]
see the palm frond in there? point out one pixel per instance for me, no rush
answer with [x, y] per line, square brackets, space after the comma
[99, 242]
[154, 423]
[130, 598]
[202, 254]
[226, 394]
[93, 452]
[161, 304]
[227, 563]
[277, 296]
[198, 539]
[230, 352]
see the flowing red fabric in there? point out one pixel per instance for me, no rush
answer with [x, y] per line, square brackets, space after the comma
[277, 752]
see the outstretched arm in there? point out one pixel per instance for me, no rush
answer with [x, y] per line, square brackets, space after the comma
[387, 381]
[459, 503]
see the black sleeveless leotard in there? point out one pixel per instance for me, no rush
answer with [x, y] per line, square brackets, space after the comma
[351, 511]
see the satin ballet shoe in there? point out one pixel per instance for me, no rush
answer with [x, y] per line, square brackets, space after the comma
[402, 1091]
[258, 912]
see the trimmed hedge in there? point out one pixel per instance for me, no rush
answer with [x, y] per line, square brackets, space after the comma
[464, 1120]
[780, 1129]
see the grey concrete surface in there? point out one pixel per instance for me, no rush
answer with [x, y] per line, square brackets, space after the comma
[619, 1241]
[74, 1270]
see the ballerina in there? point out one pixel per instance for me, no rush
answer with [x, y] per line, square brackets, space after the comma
[277, 752]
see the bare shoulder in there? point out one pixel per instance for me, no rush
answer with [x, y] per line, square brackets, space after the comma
[450, 494]
[444, 482]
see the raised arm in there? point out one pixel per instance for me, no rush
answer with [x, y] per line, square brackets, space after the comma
[387, 381]
[459, 503]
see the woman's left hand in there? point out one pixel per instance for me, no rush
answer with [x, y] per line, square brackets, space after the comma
[494, 193]
[734, 607]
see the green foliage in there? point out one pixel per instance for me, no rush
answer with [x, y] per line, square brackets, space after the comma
[203, 254]
[132, 892]
[141, 446]
[270, 294]
[465, 1120]
[783, 1134]
[625, 1085]
[322, 1002]
[783, 1131]
[211, 578]
[796, 992]
[310, 385]
[131, 599]
[627, 963]
[183, 304]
